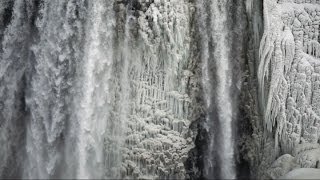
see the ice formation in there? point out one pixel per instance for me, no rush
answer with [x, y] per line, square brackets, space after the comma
[287, 77]
[288, 67]
[159, 89]
[157, 136]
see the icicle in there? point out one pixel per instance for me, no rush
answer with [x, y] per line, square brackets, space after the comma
[279, 58]
[249, 7]
[288, 49]
[313, 48]
[265, 53]
[273, 101]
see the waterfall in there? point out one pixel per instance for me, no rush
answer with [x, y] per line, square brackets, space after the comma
[215, 55]
[206, 80]
[95, 100]
[221, 56]
[110, 89]
[54, 53]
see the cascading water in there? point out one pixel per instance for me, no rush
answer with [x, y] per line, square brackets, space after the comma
[218, 68]
[53, 57]
[204, 15]
[223, 99]
[95, 100]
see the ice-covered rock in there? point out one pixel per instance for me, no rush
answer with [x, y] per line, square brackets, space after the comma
[302, 173]
[288, 86]
[159, 114]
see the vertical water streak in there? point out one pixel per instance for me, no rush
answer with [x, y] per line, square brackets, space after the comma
[124, 109]
[224, 78]
[215, 55]
[124, 82]
[203, 15]
[54, 56]
[45, 98]
[116, 127]
[94, 114]
[14, 29]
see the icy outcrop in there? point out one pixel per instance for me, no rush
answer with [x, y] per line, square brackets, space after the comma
[305, 156]
[289, 50]
[157, 135]
[288, 80]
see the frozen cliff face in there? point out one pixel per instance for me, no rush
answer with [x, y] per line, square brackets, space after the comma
[288, 72]
[155, 84]
[288, 86]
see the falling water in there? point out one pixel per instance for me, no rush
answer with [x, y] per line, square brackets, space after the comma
[93, 117]
[206, 80]
[223, 90]
[53, 58]
[216, 57]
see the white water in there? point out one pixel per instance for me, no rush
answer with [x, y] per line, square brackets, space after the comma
[54, 55]
[220, 33]
[94, 114]
[216, 17]
[205, 57]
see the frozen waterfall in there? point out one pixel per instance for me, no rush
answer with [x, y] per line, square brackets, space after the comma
[120, 89]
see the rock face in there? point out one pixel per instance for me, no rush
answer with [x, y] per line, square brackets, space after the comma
[159, 89]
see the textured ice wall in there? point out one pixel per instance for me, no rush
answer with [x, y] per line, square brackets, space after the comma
[288, 85]
[156, 85]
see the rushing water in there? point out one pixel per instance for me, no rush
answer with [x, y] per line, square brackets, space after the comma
[223, 100]
[93, 117]
[219, 66]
